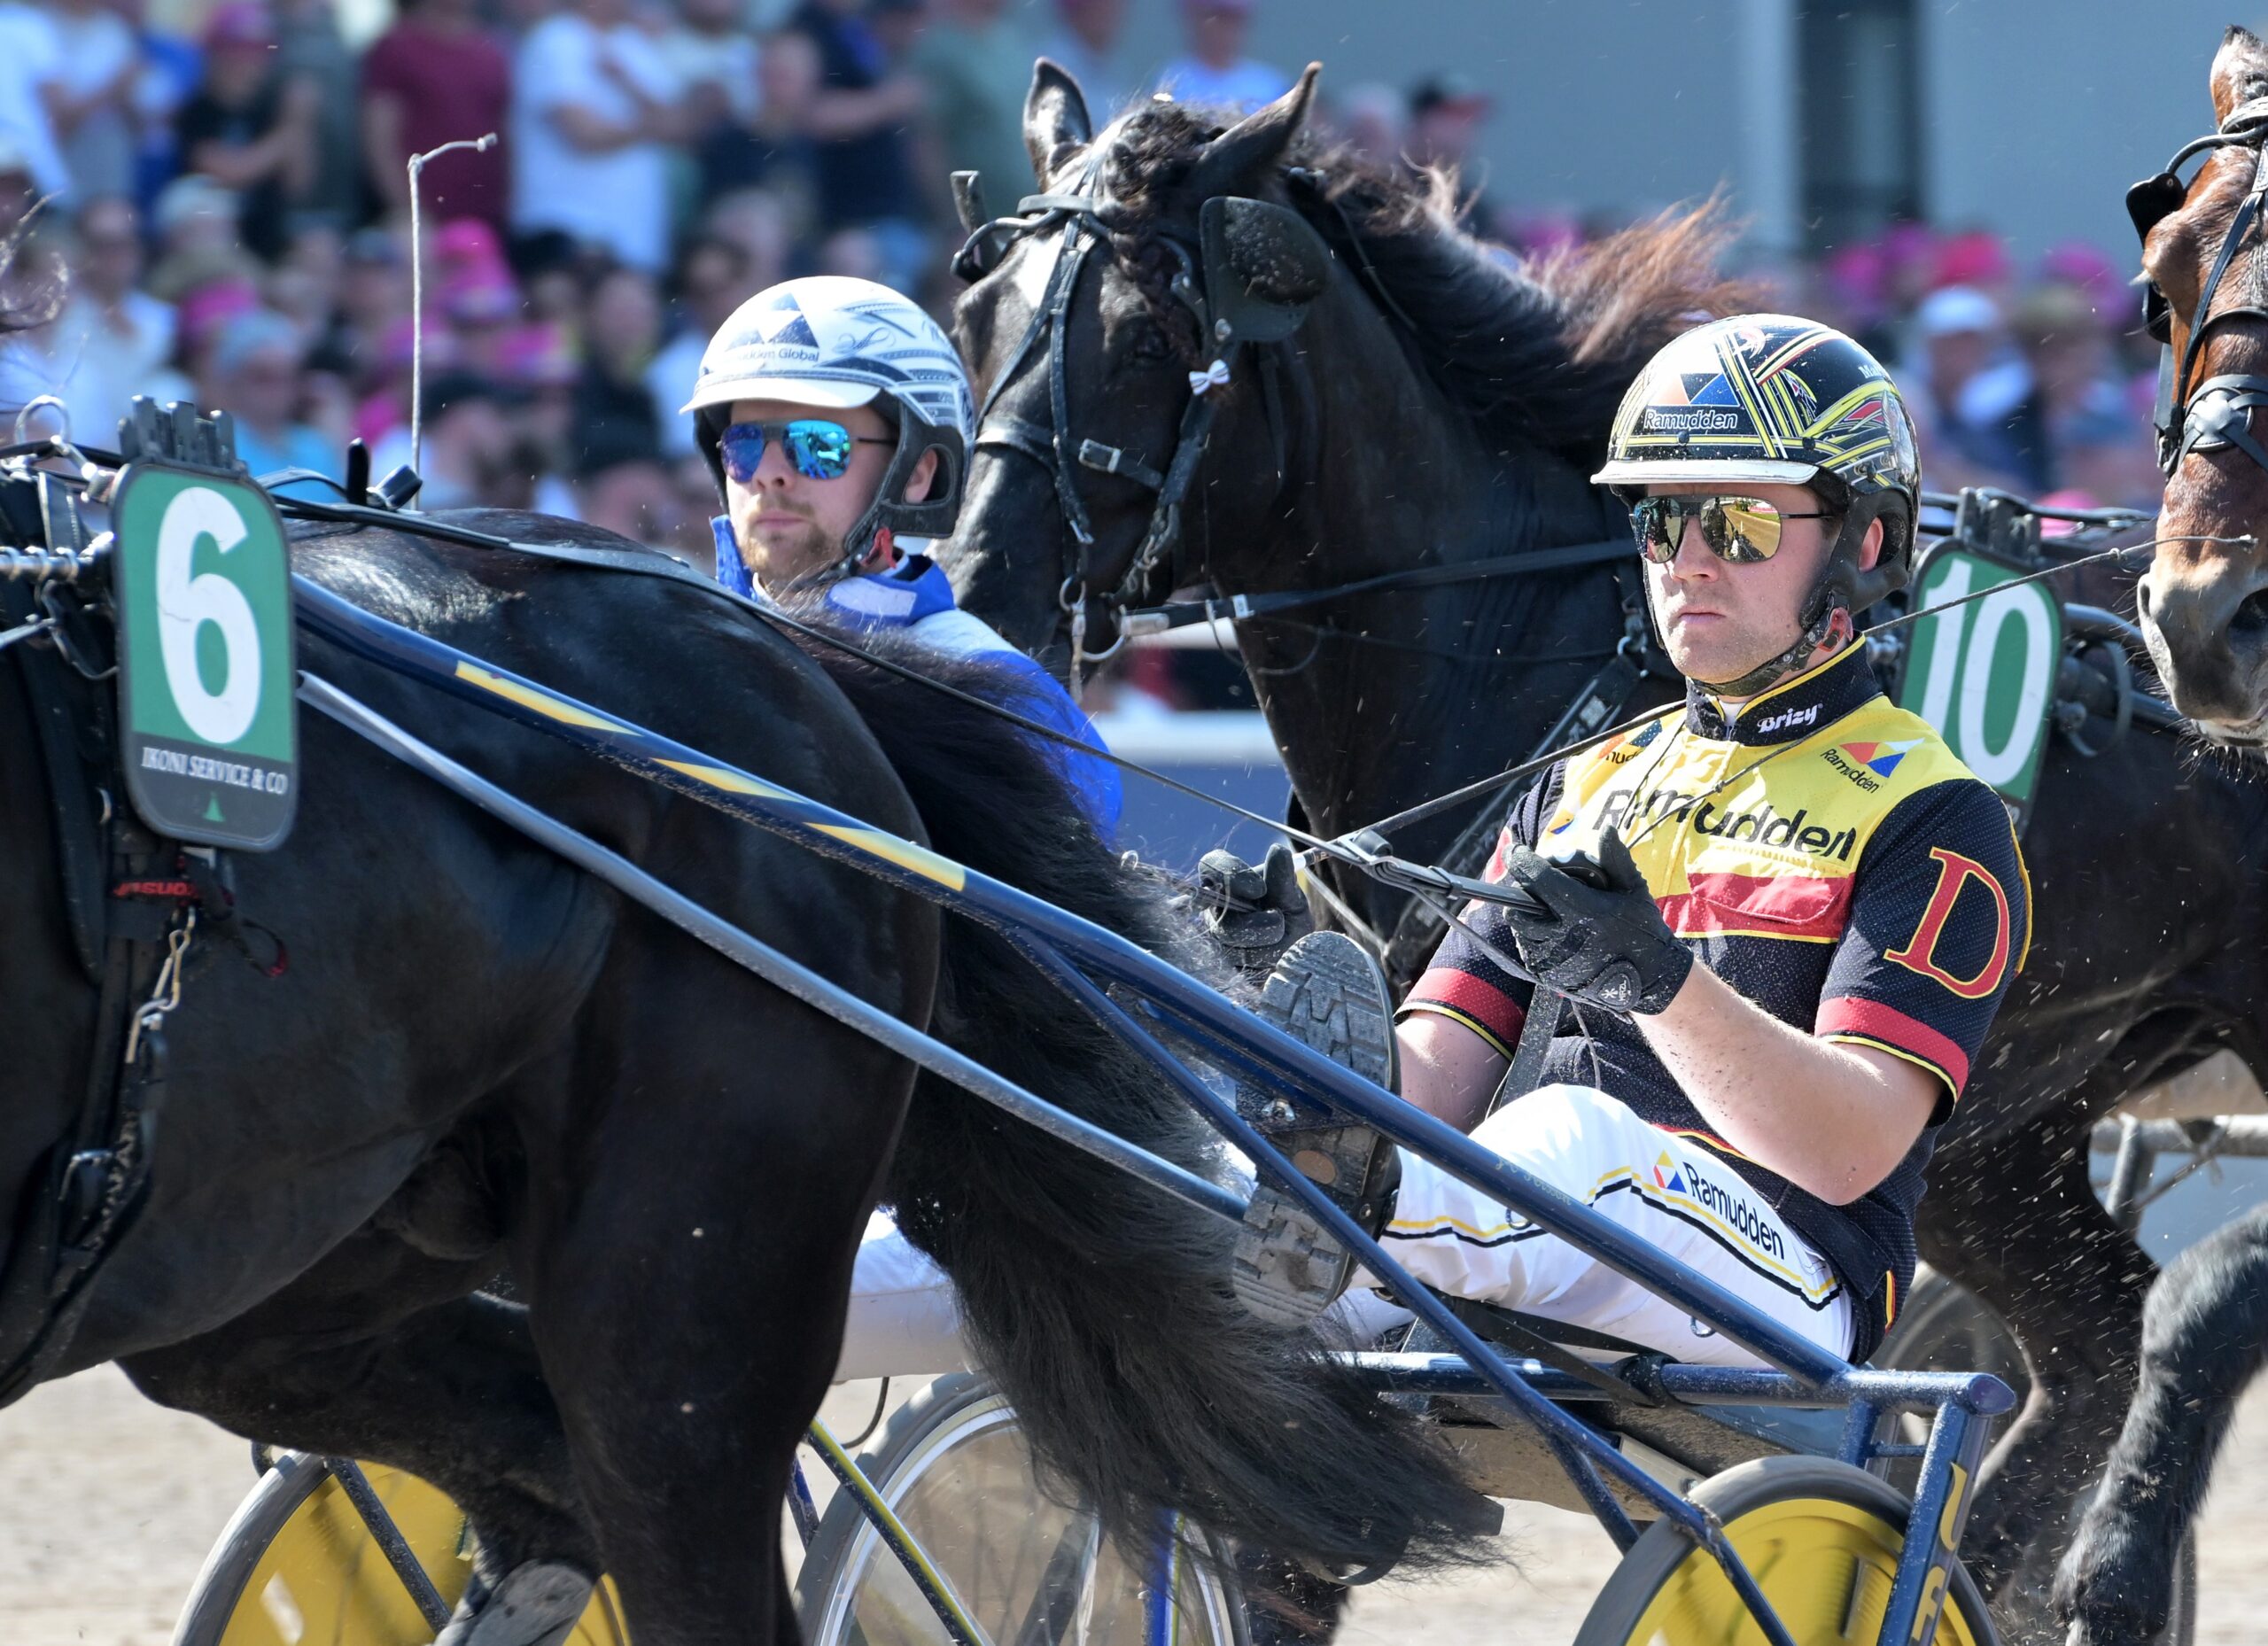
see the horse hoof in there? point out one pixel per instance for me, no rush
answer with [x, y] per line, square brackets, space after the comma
[537, 1605]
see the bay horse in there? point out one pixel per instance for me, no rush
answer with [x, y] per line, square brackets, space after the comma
[2205, 618]
[1438, 404]
[476, 1057]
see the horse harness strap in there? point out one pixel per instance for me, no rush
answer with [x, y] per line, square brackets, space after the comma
[135, 903]
[1084, 227]
[2217, 414]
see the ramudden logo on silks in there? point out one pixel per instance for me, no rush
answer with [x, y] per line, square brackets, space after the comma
[1881, 758]
[1667, 1178]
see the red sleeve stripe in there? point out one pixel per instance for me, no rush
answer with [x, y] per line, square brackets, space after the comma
[1871, 1020]
[1462, 994]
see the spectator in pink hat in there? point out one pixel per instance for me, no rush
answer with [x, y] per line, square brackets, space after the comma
[437, 77]
[251, 128]
[1975, 257]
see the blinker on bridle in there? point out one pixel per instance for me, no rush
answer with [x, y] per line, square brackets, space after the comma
[2217, 414]
[1226, 315]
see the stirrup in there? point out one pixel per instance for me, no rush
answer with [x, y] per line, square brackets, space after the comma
[1328, 993]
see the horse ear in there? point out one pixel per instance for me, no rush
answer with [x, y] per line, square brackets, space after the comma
[1246, 151]
[2240, 72]
[1055, 118]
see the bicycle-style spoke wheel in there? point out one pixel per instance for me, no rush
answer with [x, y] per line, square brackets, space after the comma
[1822, 1539]
[952, 1464]
[297, 1566]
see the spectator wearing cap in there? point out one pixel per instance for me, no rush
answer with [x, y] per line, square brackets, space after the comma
[1213, 72]
[436, 77]
[594, 112]
[1084, 42]
[253, 372]
[2076, 409]
[975, 58]
[1970, 383]
[96, 70]
[251, 128]
[856, 118]
[31, 89]
[1446, 114]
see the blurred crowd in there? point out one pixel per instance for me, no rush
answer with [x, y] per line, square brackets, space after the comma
[220, 197]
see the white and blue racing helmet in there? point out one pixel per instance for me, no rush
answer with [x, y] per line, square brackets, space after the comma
[829, 340]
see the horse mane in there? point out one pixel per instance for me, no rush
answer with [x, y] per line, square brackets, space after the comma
[1537, 350]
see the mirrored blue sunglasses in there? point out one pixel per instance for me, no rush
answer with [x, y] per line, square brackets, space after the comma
[818, 447]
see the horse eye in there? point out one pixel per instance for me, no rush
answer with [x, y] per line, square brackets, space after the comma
[1150, 347]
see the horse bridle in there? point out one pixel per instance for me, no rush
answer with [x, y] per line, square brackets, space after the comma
[1078, 215]
[2217, 414]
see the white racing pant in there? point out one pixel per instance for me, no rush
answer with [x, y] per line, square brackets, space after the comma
[1684, 1200]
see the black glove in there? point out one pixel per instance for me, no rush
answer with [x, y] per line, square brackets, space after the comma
[1255, 914]
[1601, 940]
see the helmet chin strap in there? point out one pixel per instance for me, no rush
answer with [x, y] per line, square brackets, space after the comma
[1826, 618]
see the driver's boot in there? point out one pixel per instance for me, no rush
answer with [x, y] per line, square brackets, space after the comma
[1327, 993]
[537, 1605]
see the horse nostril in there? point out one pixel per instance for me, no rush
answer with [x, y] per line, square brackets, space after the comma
[2142, 600]
[2252, 618]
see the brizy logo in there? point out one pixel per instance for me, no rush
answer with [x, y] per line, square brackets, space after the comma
[1789, 717]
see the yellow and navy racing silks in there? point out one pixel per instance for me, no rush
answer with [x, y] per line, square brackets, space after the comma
[1825, 853]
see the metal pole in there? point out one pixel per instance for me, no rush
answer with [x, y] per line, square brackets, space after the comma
[390, 1540]
[417, 164]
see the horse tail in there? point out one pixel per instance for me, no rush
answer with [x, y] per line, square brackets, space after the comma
[1101, 1305]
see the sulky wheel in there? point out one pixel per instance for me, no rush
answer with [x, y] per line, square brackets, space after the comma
[953, 1465]
[295, 1566]
[1820, 1537]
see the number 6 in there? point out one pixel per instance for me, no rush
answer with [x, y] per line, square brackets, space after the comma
[185, 604]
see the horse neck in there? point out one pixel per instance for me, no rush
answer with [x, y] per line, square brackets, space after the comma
[1445, 688]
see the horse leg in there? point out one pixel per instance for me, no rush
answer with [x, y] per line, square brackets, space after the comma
[356, 1359]
[2204, 1334]
[2020, 1226]
[687, 1295]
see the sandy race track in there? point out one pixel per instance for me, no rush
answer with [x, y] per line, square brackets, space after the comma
[108, 1505]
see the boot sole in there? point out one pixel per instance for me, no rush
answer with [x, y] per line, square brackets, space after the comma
[1327, 995]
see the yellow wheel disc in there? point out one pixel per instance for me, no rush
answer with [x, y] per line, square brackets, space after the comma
[322, 1579]
[1825, 1558]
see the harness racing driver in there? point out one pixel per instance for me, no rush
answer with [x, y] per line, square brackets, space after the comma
[835, 417]
[1781, 916]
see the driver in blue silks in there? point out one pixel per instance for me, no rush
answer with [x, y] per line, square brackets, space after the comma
[836, 416]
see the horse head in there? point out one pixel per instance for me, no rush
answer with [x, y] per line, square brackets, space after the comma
[1124, 323]
[2204, 601]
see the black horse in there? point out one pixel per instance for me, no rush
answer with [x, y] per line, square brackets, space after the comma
[478, 1057]
[1440, 406]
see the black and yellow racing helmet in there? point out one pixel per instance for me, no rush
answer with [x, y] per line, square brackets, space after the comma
[1774, 398]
